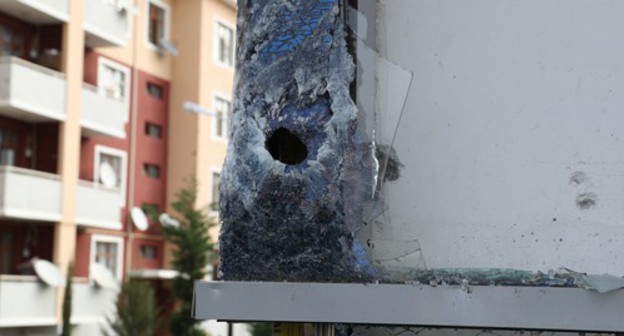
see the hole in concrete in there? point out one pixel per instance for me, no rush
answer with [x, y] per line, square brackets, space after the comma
[286, 147]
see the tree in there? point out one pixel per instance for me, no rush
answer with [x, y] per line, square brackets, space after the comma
[192, 253]
[260, 328]
[137, 313]
[67, 302]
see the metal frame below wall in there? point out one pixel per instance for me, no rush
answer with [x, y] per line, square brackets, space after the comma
[496, 307]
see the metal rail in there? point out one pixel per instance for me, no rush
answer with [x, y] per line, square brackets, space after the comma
[497, 307]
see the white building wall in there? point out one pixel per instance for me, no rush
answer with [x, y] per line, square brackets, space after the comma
[512, 135]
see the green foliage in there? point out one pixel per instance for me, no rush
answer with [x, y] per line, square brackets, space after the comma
[260, 328]
[67, 302]
[192, 253]
[137, 312]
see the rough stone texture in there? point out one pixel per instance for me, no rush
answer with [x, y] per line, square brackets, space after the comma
[297, 171]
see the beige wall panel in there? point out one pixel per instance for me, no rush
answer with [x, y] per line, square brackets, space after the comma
[216, 80]
[183, 125]
[69, 141]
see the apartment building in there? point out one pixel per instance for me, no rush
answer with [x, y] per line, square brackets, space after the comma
[105, 106]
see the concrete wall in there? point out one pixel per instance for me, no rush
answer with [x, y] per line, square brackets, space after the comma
[511, 132]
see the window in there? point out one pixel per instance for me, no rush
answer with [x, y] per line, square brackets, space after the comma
[158, 22]
[6, 252]
[108, 252]
[105, 159]
[153, 130]
[223, 108]
[11, 42]
[8, 147]
[155, 91]
[151, 170]
[113, 79]
[216, 178]
[149, 252]
[225, 45]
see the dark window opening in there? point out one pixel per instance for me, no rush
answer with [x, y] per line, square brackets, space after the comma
[9, 145]
[6, 252]
[286, 147]
[151, 170]
[216, 177]
[12, 42]
[153, 130]
[149, 252]
[156, 29]
[156, 91]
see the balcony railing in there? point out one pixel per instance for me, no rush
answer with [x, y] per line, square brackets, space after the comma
[107, 22]
[91, 305]
[26, 301]
[98, 206]
[37, 11]
[101, 114]
[31, 92]
[29, 194]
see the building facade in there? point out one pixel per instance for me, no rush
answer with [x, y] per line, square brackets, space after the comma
[105, 106]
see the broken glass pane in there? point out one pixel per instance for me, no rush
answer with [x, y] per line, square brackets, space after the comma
[378, 143]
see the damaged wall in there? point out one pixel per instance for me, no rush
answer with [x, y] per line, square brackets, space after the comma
[297, 169]
[483, 135]
[511, 137]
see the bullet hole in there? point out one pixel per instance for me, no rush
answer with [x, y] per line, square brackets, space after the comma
[286, 147]
[578, 178]
[586, 201]
[388, 156]
[554, 219]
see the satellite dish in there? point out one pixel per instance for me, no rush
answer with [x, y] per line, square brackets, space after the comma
[139, 219]
[103, 277]
[168, 47]
[48, 273]
[108, 176]
[167, 220]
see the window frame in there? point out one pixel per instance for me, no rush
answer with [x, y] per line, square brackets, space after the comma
[145, 246]
[101, 149]
[213, 171]
[215, 46]
[167, 22]
[226, 126]
[147, 166]
[101, 238]
[155, 127]
[160, 87]
[105, 62]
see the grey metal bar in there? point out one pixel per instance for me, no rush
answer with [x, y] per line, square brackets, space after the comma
[530, 308]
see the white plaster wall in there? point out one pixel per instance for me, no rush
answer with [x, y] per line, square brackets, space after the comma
[516, 108]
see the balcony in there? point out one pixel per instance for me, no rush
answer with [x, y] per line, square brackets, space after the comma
[30, 92]
[91, 305]
[98, 206]
[26, 301]
[29, 194]
[107, 22]
[101, 114]
[38, 12]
